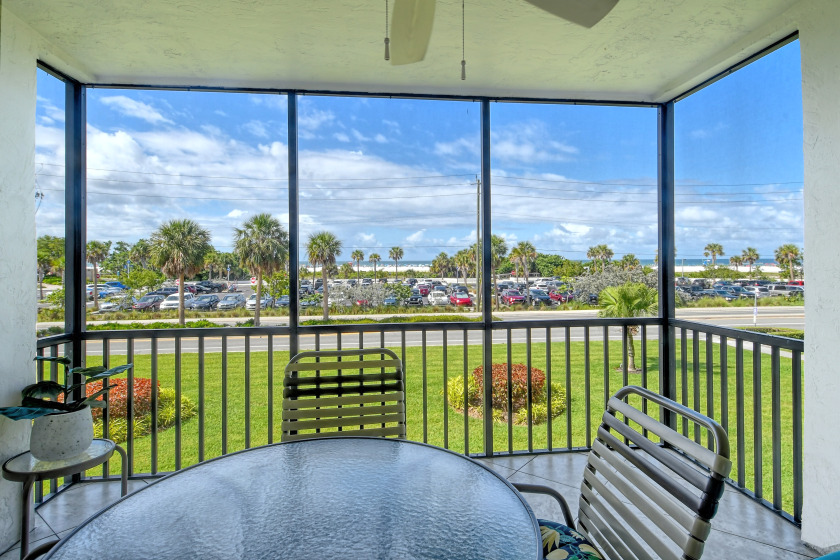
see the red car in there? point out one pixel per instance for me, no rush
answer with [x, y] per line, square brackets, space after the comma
[512, 297]
[424, 289]
[460, 298]
[562, 297]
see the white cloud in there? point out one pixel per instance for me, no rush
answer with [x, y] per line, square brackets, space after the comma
[380, 138]
[368, 238]
[256, 128]
[359, 136]
[341, 137]
[313, 119]
[133, 108]
[236, 213]
[415, 237]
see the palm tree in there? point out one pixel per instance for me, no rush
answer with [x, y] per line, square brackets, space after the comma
[463, 259]
[498, 253]
[441, 265]
[178, 248]
[601, 253]
[139, 253]
[750, 255]
[523, 253]
[374, 258]
[629, 300]
[396, 255]
[714, 250]
[629, 262]
[736, 261]
[322, 248]
[357, 256]
[263, 247]
[97, 251]
[791, 256]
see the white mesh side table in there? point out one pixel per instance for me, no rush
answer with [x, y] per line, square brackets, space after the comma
[27, 469]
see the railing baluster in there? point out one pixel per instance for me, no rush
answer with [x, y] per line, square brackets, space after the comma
[445, 341]
[776, 405]
[740, 397]
[607, 393]
[178, 416]
[643, 345]
[510, 389]
[425, 389]
[684, 375]
[129, 409]
[247, 391]
[466, 390]
[710, 384]
[201, 403]
[724, 383]
[587, 388]
[625, 356]
[225, 394]
[796, 382]
[757, 443]
[155, 404]
[530, 397]
[270, 381]
[106, 411]
[695, 374]
[567, 332]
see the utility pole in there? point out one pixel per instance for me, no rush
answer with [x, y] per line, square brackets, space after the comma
[477, 242]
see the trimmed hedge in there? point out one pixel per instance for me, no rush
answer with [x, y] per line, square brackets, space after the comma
[777, 331]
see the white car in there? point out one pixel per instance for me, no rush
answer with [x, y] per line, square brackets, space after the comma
[438, 297]
[252, 302]
[171, 302]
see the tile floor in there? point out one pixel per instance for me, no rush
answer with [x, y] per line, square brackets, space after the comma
[742, 528]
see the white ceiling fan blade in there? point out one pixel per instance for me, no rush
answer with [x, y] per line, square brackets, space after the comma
[582, 12]
[411, 28]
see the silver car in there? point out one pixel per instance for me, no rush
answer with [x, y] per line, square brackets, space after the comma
[172, 302]
[264, 303]
[232, 301]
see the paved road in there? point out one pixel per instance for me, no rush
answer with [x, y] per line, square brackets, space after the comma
[792, 317]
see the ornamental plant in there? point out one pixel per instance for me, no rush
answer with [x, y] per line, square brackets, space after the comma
[49, 397]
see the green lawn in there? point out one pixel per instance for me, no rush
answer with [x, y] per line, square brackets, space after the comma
[248, 388]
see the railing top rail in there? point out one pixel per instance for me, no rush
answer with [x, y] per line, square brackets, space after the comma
[749, 336]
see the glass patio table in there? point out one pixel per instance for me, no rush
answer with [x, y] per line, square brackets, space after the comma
[349, 498]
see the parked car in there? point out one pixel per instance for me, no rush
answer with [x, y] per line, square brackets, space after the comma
[738, 291]
[212, 286]
[173, 301]
[149, 302]
[438, 297]
[204, 302]
[117, 303]
[561, 297]
[118, 286]
[460, 299]
[164, 291]
[231, 301]
[512, 297]
[265, 302]
[390, 300]
[189, 288]
[282, 301]
[759, 291]
[424, 289]
[415, 299]
[540, 297]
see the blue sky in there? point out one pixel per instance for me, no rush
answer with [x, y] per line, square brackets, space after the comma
[385, 172]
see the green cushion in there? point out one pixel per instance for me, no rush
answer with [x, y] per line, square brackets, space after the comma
[563, 543]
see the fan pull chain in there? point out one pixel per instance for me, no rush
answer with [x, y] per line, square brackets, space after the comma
[463, 58]
[387, 40]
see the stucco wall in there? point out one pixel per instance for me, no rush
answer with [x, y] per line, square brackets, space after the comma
[820, 45]
[17, 247]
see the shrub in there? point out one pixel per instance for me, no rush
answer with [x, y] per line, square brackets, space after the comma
[519, 397]
[142, 425]
[118, 397]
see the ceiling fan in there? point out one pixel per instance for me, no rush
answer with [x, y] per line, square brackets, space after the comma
[411, 26]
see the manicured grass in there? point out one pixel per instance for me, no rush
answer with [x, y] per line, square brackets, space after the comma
[249, 385]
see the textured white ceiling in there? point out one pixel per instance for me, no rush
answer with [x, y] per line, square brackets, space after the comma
[642, 51]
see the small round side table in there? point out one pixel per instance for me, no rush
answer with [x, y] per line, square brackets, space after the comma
[27, 469]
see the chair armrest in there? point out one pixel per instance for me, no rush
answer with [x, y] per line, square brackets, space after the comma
[539, 489]
[40, 551]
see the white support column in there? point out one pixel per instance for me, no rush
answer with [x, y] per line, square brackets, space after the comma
[17, 247]
[820, 45]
